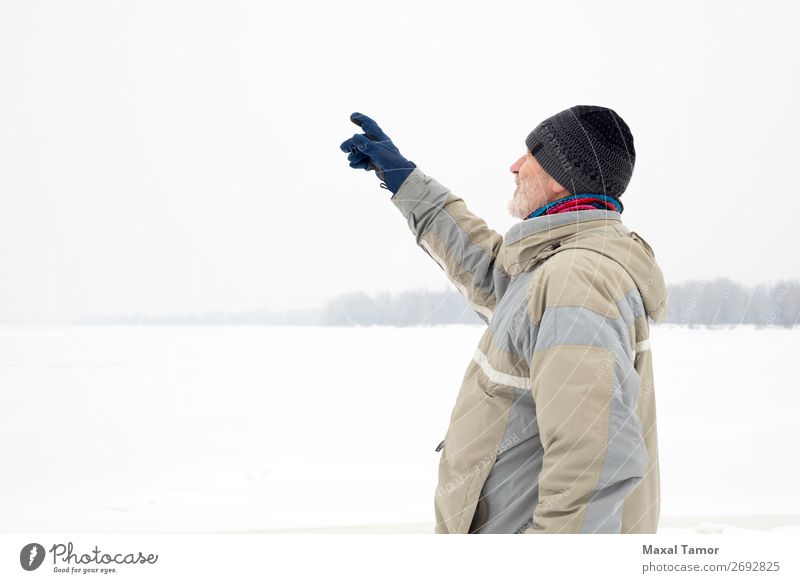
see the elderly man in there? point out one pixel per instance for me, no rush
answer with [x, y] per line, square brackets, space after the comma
[554, 427]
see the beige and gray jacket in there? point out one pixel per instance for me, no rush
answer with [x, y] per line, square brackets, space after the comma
[554, 427]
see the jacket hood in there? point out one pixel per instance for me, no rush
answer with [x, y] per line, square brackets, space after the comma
[533, 240]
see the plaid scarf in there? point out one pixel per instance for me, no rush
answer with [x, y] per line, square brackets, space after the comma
[579, 202]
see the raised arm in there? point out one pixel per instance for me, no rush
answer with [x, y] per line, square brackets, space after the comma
[460, 242]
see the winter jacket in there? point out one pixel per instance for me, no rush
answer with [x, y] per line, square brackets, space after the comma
[554, 427]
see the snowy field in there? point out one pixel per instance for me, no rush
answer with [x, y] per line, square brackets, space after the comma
[231, 429]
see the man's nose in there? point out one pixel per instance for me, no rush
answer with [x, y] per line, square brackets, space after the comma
[515, 166]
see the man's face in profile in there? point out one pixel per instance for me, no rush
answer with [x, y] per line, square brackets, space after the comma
[534, 187]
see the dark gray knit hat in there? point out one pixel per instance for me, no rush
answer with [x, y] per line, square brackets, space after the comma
[588, 149]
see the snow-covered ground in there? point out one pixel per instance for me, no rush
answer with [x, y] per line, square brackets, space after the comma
[199, 429]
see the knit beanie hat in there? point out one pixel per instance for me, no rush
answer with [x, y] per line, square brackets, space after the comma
[586, 148]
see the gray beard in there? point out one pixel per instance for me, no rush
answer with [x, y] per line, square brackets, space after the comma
[518, 205]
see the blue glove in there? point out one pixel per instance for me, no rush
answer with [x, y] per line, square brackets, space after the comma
[373, 150]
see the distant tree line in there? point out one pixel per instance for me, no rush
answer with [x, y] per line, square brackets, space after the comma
[725, 302]
[720, 302]
[409, 308]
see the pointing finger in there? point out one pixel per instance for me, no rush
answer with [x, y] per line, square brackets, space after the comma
[370, 127]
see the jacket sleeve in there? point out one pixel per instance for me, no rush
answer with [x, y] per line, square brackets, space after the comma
[459, 241]
[585, 387]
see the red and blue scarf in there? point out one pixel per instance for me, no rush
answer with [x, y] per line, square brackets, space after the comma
[579, 202]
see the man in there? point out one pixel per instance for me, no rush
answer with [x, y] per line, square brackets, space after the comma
[554, 427]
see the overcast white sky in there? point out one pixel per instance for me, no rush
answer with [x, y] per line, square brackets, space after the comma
[161, 157]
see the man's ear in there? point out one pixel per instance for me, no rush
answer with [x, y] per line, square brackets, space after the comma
[557, 189]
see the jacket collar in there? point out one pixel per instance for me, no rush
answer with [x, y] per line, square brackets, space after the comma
[545, 223]
[532, 241]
